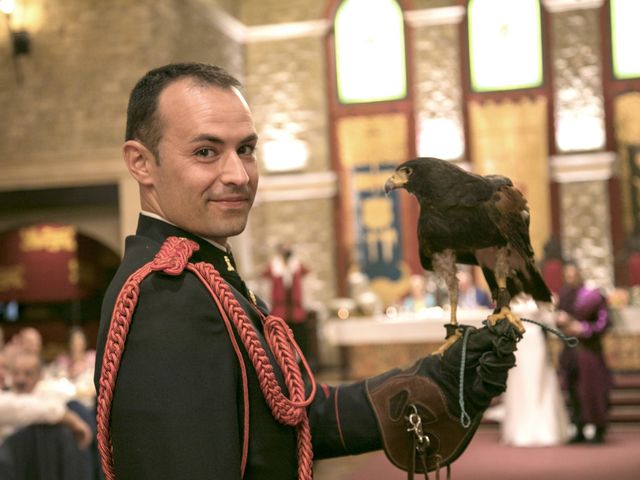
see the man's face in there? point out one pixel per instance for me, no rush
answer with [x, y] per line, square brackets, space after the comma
[572, 276]
[31, 340]
[25, 373]
[207, 175]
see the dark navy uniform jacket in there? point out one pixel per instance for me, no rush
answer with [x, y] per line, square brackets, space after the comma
[177, 409]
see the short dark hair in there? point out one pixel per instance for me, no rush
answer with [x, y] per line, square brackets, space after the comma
[143, 123]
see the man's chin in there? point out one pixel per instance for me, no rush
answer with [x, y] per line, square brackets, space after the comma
[220, 235]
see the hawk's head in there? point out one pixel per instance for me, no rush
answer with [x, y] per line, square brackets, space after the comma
[417, 176]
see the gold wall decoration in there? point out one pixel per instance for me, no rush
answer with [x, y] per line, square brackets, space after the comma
[48, 238]
[627, 117]
[370, 147]
[510, 138]
[377, 217]
[627, 131]
[373, 139]
[12, 277]
[73, 267]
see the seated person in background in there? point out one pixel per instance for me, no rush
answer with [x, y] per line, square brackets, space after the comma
[31, 340]
[24, 406]
[470, 296]
[77, 366]
[78, 360]
[3, 371]
[419, 297]
[27, 339]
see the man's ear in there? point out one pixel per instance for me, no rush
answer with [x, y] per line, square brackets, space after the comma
[139, 160]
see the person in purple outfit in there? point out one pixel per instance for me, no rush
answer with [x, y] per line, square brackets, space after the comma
[583, 312]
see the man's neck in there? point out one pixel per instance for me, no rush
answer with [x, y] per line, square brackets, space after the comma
[225, 248]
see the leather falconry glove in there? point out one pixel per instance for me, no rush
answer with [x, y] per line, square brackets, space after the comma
[431, 389]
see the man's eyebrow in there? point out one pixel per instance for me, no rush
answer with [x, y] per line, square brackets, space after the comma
[213, 139]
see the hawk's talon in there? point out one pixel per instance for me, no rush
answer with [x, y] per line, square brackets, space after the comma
[505, 313]
[448, 342]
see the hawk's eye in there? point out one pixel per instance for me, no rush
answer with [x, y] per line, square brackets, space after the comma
[407, 171]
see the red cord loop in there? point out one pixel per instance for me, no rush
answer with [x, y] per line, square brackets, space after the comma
[173, 256]
[172, 259]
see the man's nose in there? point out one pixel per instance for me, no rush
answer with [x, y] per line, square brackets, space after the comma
[233, 170]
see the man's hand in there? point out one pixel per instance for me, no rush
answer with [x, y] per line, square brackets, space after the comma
[568, 324]
[81, 430]
[488, 358]
[432, 386]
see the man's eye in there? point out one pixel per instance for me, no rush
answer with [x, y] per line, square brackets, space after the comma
[246, 150]
[205, 152]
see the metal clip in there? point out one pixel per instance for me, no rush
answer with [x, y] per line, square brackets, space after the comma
[416, 427]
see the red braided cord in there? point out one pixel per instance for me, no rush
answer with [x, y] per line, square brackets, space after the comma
[289, 411]
[243, 369]
[172, 259]
[118, 329]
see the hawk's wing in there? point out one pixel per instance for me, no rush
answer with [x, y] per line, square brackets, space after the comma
[509, 211]
[462, 189]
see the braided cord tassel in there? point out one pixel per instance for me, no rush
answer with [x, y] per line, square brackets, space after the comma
[289, 411]
[172, 258]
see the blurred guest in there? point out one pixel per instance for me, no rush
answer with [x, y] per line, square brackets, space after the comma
[42, 436]
[27, 339]
[25, 405]
[285, 273]
[583, 312]
[31, 340]
[77, 366]
[419, 296]
[552, 264]
[3, 371]
[470, 296]
[19, 410]
[25, 372]
[78, 360]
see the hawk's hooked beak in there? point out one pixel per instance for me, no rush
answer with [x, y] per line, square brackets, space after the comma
[397, 180]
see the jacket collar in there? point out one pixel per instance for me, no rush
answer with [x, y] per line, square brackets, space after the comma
[158, 230]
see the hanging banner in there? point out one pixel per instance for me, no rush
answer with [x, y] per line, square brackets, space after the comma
[378, 233]
[634, 183]
[371, 147]
[51, 263]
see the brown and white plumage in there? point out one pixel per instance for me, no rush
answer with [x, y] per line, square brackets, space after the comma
[472, 219]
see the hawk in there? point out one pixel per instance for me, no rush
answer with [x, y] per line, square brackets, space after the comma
[475, 220]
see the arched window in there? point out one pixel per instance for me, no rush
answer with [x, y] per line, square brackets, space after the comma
[625, 38]
[508, 111]
[505, 45]
[621, 87]
[369, 49]
[372, 131]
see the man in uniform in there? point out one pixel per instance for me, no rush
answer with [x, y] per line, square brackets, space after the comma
[195, 378]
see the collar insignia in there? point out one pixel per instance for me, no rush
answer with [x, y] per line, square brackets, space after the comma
[229, 264]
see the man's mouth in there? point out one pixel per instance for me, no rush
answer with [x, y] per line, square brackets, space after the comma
[231, 202]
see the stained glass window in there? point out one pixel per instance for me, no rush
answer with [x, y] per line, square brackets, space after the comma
[505, 44]
[370, 51]
[625, 38]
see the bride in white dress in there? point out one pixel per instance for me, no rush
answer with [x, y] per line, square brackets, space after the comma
[535, 414]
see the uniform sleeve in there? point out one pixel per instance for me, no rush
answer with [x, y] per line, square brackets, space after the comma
[174, 413]
[342, 421]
